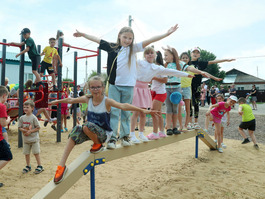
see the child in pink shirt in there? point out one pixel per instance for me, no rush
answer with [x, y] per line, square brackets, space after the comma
[215, 114]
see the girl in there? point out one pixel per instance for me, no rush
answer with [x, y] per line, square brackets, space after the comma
[215, 114]
[121, 69]
[213, 95]
[253, 94]
[97, 126]
[64, 112]
[142, 97]
[203, 94]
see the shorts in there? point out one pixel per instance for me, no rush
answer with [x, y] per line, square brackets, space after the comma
[44, 66]
[54, 113]
[216, 119]
[254, 99]
[186, 93]
[251, 125]
[64, 110]
[4, 130]
[34, 147]
[78, 110]
[5, 153]
[78, 135]
[35, 61]
[158, 97]
[170, 107]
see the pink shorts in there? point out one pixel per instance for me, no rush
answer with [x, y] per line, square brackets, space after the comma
[159, 97]
[64, 111]
[216, 119]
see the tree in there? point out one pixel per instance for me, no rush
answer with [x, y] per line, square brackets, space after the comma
[94, 73]
[68, 80]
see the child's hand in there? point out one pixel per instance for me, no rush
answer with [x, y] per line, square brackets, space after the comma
[190, 76]
[8, 119]
[207, 113]
[240, 112]
[218, 79]
[78, 34]
[152, 112]
[61, 64]
[172, 29]
[228, 123]
[17, 55]
[229, 60]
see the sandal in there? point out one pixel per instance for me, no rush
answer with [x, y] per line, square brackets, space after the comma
[197, 126]
[26, 169]
[176, 131]
[169, 132]
[39, 169]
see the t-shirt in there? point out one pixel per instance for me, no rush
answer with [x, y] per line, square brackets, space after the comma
[84, 106]
[32, 48]
[24, 122]
[196, 81]
[220, 110]
[186, 81]
[232, 90]
[158, 87]
[252, 91]
[49, 53]
[3, 114]
[247, 113]
[122, 74]
[16, 87]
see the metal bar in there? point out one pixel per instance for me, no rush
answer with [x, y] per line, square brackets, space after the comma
[80, 48]
[75, 88]
[196, 146]
[99, 62]
[7, 44]
[3, 74]
[87, 56]
[92, 183]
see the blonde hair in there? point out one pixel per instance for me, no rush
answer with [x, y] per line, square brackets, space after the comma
[148, 50]
[29, 103]
[3, 90]
[220, 95]
[242, 100]
[95, 78]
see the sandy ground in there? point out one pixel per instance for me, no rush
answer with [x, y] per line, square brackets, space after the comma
[167, 172]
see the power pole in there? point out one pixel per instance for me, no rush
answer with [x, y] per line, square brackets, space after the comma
[86, 70]
[67, 72]
[130, 21]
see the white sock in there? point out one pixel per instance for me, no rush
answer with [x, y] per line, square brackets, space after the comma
[141, 133]
[163, 132]
[156, 134]
[132, 134]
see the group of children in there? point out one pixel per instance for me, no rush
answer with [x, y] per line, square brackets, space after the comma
[128, 91]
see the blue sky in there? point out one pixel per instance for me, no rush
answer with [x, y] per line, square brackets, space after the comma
[227, 28]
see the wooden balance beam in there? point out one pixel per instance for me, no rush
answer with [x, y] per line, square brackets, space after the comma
[75, 169]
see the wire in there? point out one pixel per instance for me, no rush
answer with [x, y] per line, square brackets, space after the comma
[139, 29]
[249, 57]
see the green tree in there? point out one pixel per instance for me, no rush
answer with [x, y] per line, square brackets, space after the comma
[94, 73]
[68, 80]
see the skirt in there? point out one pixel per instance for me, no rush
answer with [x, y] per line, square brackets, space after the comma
[142, 95]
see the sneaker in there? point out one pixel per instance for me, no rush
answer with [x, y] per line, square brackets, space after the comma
[53, 120]
[245, 141]
[46, 122]
[61, 130]
[134, 140]
[189, 126]
[143, 138]
[223, 145]
[196, 126]
[96, 148]
[152, 136]
[136, 129]
[59, 175]
[169, 132]
[1, 184]
[68, 117]
[162, 135]
[215, 141]
[54, 127]
[125, 141]
[66, 129]
[176, 131]
[111, 144]
[220, 150]
[256, 146]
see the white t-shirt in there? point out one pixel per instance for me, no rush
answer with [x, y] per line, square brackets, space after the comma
[158, 87]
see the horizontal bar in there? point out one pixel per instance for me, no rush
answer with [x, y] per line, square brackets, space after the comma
[80, 48]
[8, 44]
[86, 56]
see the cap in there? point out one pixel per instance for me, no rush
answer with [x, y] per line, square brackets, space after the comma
[196, 48]
[247, 94]
[24, 31]
[234, 98]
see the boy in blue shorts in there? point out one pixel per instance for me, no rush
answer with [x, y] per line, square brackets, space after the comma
[5, 153]
[248, 122]
[32, 52]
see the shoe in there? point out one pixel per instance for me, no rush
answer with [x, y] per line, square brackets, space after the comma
[162, 135]
[61, 130]
[54, 127]
[215, 141]
[169, 132]
[256, 146]
[152, 136]
[220, 150]
[66, 129]
[125, 141]
[189, 126]
[223, 145]
[135, 140]
[54, 120]
[136, 129]
[143, 138]
[45, 123]
[68, 117]
[59, 175]
[111, 144]
[79, 118]
[176, 131]
[39, 169]
[96, 148]
[245, 141]
[196, 126]
[1, 184]
[26, 169]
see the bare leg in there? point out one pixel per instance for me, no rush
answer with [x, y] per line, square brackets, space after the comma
[157, 119]
[222, 134]
[218, 131]
[3, 163]
[242, 133]
[169, 120]
[67, 150]
[207, 121]
[27, 157]
[253, 137]
[174, 120]
[91, 135]
[134, 120]
[142, 122]
[37, 156]
[187, 108]
[180, 116]
[37, 75]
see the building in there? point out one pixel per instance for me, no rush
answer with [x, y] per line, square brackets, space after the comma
[12, 68]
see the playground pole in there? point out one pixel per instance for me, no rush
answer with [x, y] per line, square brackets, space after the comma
[3, 74]
[75, 87]
[98, 62]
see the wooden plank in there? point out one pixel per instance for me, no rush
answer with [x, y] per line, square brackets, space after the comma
[206, 139]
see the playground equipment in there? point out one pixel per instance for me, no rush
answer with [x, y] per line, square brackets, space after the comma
[86, 162]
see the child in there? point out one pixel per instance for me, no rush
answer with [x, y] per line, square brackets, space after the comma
[213, 95]
[30, 126]
[215, 114]
[146, 71]
[196, 82]
[49, 52]
[248, 122]
[121, 68]
[97, 128]
[32, 52]
[15, 90]
[64, 113]
[5, 153]
[83, 107]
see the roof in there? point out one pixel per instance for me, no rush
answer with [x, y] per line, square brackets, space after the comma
[12, 57]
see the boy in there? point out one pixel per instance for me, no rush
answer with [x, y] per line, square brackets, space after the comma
[32, 52]
[196, 81]
[50, 52]
[5, 153]
[29, 125]
[248, 122]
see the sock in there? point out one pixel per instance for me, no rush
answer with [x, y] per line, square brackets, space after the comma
[163, 132]
[141, 133]
[156, 134]
[132, 134]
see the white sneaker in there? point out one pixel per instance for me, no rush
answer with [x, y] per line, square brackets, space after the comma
[220, 150]
[125, 141]
[196, 126]
[134, 140]
[223, 145]
[215, 141]
[111, 144]
[143, 138]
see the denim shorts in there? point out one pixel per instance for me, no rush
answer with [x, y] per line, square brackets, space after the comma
[186, 93]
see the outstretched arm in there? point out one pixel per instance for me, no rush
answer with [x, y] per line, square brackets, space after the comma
[89, 37]
[205, 74]
[17, 44]
[22, 52]
[240, 110]
[82, 99]
[220, 61]
[159, 37]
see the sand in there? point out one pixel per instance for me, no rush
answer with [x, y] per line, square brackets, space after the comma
[167, 172]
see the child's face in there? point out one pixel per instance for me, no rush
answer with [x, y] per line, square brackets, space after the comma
[4, 98]
[195, 55]
[185, 58]
[220, 99]
[168, 57]
[96, 88]
[26, 36]
[150, 56]
[27, 109]
[52, 43]
[231, 102]
[126, 39]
